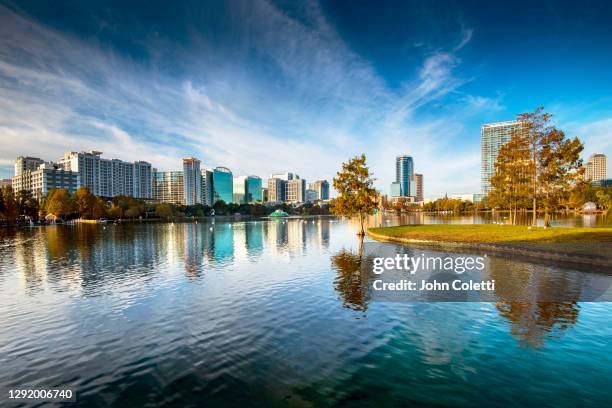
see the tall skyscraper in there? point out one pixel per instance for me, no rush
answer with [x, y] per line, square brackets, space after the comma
[208, 189]
[322, 189]
[404, 175]
[418, 181]
[192, 181]
[168, 187]
[494, 136]
[223, 182]
[596, 167]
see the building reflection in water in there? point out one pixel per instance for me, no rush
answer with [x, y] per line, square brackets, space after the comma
[89, 256]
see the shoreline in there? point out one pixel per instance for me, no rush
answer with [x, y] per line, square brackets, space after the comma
[532, 250]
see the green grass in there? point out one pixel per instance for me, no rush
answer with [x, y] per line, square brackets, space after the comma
[490, 233]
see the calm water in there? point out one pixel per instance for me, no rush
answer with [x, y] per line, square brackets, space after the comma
[262, 314]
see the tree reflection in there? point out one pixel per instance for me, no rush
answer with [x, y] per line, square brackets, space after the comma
[539, 301]
[531, 323]
[352, 279]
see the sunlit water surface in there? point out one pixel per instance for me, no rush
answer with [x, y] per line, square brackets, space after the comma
[255, 313]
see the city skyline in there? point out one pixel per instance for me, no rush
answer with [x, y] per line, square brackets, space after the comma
[225, 86]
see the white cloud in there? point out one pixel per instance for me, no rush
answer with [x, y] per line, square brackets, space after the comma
[317, 105]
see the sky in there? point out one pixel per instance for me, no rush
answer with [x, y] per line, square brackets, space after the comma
[274, 86]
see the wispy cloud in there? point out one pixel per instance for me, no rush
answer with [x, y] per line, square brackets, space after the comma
[308, 103]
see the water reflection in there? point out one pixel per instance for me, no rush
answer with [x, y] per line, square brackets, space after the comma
[86, 255]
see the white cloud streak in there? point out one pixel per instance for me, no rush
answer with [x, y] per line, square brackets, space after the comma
[317, 103]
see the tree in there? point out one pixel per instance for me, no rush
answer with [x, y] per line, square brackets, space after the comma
[164, 210]
[59, 203]
[555, 161]
[10, 210]
[114, 212]
[84, 202]
[510, 183]
[26, 203]
[357, 195]
[603, 199]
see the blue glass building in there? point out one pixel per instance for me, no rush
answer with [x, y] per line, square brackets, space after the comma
[223, 184]
[253, 189]
[404, 175]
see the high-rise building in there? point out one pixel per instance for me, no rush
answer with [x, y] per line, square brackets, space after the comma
[418, 181]
[404, 175]
[192, 181]
[285, 176]
[223, 182]
[46, 177]
[396, 190]
[240, 190]
[264, 194]
[311, 195]
[253, 190]
[494, 136]
[168, 187]
[110, 177]
[208, 191]
[296, 191]
[275, 190]
[596, 167]
[322, 189]
[27, 163]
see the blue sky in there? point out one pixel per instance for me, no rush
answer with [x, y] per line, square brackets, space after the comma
[271, 86]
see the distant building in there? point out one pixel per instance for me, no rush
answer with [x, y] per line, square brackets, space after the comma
[223, 184]
[311, 195]
[596, 167]
[296, 191]
[602, 183]
[110, 177]
[418, 181]
[494, 136]
[322, 189]
[396, 190]
[27, 163]
[192, 181]
[168, 187]
[208, 190]
[404, 175]
[462, 197]
[264, 194]
[239, 193]
[276, 190]
[46, 177]
[253, 190]
[285, 176]
[5, 182]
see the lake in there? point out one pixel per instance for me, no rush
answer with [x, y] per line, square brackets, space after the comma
[263, 313]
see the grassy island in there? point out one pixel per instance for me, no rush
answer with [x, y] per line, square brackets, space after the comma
[584, 245]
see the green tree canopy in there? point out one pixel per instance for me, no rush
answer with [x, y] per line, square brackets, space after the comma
[357, 196]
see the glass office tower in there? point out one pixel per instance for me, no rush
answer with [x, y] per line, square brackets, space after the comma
[404, 175]
[223, 184]
[253, 190]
